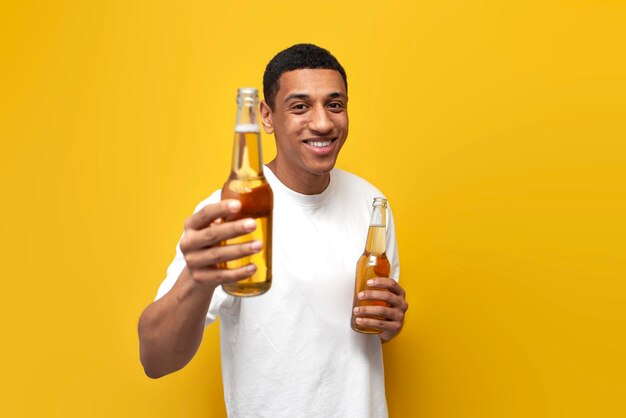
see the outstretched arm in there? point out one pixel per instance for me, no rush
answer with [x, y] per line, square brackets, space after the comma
[171, 328]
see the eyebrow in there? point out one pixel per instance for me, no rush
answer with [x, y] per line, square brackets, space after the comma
[302, 96]
[337, 94]
[299, 96]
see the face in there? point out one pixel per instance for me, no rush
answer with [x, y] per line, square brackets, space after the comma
[310, 124]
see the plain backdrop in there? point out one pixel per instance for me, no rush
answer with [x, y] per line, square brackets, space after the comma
[495, 128]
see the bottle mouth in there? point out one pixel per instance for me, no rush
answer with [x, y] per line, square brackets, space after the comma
[380, 201]
[248, 96]
[247, 91]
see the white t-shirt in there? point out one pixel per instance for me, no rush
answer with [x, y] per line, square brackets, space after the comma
[291, 352]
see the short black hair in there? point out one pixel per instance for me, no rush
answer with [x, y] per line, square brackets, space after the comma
[297, 57]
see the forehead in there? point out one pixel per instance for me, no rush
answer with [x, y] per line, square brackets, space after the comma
[310, 81]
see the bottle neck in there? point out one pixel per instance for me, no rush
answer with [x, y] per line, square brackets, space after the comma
[247, 159]
[247, 120]
[377, 235]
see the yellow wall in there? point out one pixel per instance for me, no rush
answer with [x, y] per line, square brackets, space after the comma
[496, 128]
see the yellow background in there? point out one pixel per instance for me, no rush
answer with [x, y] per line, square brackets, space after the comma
[495, 128]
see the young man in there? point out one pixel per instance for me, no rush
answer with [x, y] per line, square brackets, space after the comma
[290, 352]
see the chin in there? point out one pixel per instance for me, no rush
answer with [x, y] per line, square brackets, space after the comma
[322, 169]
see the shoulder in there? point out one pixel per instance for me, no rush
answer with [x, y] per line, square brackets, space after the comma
[350, 183]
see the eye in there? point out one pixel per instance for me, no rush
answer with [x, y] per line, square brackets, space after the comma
[299, 108]
[336, 106]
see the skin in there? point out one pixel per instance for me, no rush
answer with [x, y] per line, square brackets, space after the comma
[393, 315]
[310, 108]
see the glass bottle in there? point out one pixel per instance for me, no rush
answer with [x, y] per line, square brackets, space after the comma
[373, 262]
[247, 184]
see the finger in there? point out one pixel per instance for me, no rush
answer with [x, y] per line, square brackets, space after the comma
[221, 276]
[392, 299]
[392, 327]
[214, 234]
[389, 314]
[386, 283]
[211, 212]
[380, 295]
[219, 254]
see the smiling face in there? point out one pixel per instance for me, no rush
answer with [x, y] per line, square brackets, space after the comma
[310, 124]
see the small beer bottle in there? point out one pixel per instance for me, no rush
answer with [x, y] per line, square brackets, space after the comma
[373, 262]
[247, 184]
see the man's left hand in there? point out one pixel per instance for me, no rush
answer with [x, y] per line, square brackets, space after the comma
[387, 290]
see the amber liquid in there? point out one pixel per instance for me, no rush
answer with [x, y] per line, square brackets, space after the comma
[256, 200]
[373, 263]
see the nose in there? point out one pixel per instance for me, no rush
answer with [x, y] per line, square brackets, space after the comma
[320, 122]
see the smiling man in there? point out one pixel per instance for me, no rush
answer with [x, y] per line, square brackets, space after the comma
[290, 352]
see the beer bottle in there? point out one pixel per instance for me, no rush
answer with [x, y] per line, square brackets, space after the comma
[247, 184]
[373, 262]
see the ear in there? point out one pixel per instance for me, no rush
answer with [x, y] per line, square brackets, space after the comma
[266, 118]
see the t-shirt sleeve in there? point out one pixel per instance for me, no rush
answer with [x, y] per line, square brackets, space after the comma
[392, 247]
[220, 298]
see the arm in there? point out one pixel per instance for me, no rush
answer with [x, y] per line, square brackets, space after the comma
[171, 328]
[390, 291]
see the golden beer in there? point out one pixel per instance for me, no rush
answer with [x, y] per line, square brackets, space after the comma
[247, 184]
[373, 262]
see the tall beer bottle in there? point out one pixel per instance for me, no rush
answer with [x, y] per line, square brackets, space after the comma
[373, 262]
[247, 184]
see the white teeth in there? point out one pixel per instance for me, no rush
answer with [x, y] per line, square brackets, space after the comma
[319, 143]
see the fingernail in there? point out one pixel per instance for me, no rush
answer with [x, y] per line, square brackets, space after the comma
[256, 245]
[251, 268]
[249, 224]
[234, 205]
[355, 310]
[371, 282]
[361, 295]
[359, 320]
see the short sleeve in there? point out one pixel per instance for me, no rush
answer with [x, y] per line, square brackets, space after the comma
[220, 298]
[392, 247]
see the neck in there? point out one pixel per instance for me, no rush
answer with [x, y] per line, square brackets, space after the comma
[305, 184]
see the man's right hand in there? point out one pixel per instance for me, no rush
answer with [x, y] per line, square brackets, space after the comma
[170, 329]
[204, 231]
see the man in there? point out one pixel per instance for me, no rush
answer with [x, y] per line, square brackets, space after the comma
[290, 352]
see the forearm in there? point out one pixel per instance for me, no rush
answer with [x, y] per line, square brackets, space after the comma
[171, 329]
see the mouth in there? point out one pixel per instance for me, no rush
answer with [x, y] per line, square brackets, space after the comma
[319, 143]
